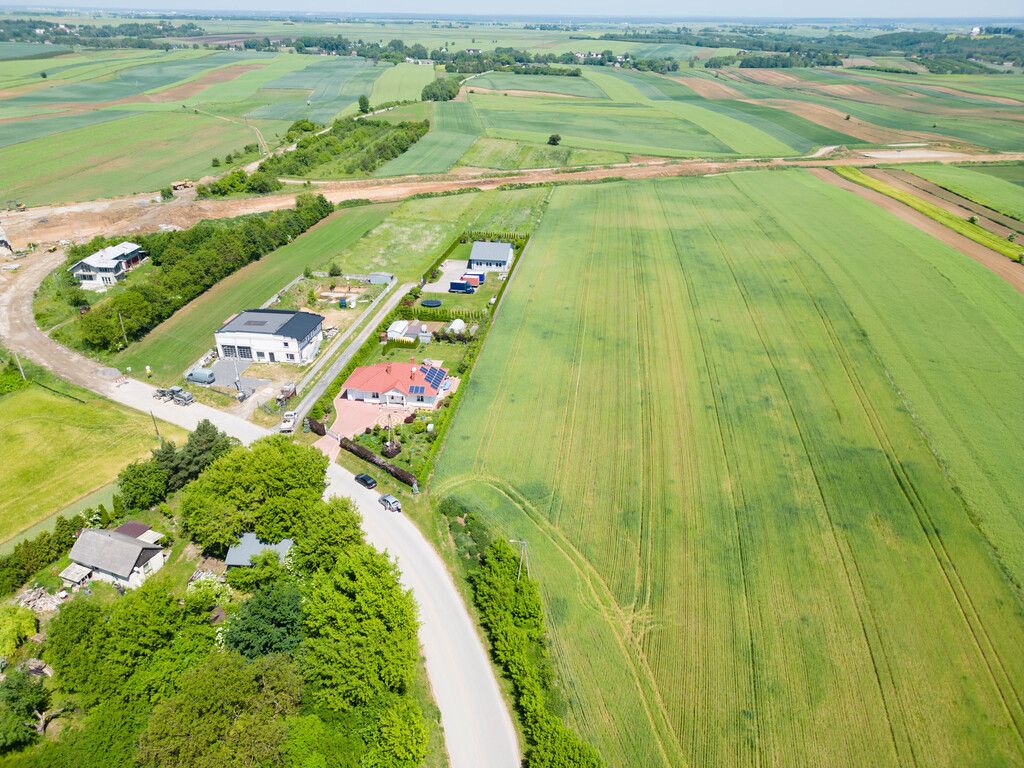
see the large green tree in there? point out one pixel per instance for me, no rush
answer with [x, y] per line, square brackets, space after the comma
[268, 622]
[141, 485]
[325, 529]
[360, 631]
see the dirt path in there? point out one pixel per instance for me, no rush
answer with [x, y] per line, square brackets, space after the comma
[1010, 271]
[144, 213]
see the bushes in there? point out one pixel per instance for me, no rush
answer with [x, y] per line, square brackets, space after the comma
[33, 554]
[367, 455]
[444, 89]
[189, 262]
[358, 146]
[237, 182]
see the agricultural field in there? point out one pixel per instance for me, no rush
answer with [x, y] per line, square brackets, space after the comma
[1001, 188]
[453, 130]
[503, 154]
[51, 455]
[402, 82]
[547, 84]
[773, 513]
[321, 90]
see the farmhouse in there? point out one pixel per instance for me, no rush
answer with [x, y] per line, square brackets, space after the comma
[397, 384]
[422, 330]
[490, 256]
[117, 556]
[241, 555]
[271, 335]
[105, 267]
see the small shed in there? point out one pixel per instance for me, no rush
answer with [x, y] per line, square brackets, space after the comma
[248, 547]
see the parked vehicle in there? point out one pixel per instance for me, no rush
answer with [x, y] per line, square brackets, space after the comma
[288, 422]
[161, 394]
[287, 392]
[201, 376]
[460, 286]
[366, 481]
[390, 503]
[181, 397]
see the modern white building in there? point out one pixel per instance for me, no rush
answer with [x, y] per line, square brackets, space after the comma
[104, 268]
[115, 556]
[271, 336]
[490, 256]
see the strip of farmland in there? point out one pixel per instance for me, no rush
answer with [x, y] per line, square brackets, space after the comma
[771, 509]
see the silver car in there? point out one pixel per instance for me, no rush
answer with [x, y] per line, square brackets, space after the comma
[390, 503]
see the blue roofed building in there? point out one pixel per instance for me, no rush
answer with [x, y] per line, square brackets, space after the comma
[242, 554]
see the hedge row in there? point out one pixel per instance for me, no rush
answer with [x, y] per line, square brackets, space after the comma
[32, 555]
[366, 454]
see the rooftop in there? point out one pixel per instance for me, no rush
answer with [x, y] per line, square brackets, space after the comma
[249, 546]
[109, 551]
[491, 252]
[410, 378]
[111, 255]
[274, 322]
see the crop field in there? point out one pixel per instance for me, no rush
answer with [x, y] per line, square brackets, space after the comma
[503, 154]
[321, 90]
[774, 514]
[981, 185]
[506, 81]
[183, 338]
[454, 128]
[402, 82]
[52, 456]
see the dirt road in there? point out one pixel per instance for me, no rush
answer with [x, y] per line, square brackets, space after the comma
[145, 213]
[1010, 271]
[477, 723]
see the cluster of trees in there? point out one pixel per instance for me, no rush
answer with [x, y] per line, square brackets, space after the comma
[33, 554]
[312, 668]
[188, 263]
[238, 182]
[442, 89]
[23, 30]
[510, 609]
[774, 61]
[662, 65]
[350, 146]
[944, 65]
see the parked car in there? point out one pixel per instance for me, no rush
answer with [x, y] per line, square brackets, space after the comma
[366, 481]
[184, 398]
[201, 376]
[390, 503]
[287, 422]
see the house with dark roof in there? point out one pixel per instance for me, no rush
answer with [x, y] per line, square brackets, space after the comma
[106, 267]
[113, 556]
[271, 336]
[241, 555]
[405, 384]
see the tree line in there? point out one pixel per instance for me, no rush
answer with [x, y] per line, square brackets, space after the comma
[311, 665]
[187, 263]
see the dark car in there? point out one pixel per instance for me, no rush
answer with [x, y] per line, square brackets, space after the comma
[366, 481]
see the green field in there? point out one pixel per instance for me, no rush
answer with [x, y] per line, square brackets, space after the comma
[506, 81]
[52, 455]
[771, 493]
[183, 338]
[403, 82]
[503, 154]
[454, 128]
[996, 190]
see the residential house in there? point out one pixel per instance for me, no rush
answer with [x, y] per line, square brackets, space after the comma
[490, 256]
[116, 557]
[404, 384]
[106, 267]
[241, 555]
[272, 336]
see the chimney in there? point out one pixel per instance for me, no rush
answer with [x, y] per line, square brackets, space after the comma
[388, 368]
[412, 372]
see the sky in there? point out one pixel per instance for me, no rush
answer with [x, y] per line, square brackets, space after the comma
[902, 9]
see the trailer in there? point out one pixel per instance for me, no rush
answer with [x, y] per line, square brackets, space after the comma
[472, 280]
[460, 286]
[481, 276]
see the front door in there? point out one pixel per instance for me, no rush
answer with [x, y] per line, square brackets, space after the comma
[272, 358]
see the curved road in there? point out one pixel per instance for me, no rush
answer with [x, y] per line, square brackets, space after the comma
[477, 723]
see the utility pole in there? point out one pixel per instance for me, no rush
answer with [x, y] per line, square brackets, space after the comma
[123, 333]
[521, 543]
[20, 369]
[155, 426]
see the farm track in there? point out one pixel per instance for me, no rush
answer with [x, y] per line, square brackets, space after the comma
[1009, 270]
[141, 213]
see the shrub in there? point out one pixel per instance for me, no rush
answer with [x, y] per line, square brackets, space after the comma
[443, 89]
[554, 139]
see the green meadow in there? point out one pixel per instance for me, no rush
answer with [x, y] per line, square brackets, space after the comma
[454, 128]
[991, 186]
[772, 510]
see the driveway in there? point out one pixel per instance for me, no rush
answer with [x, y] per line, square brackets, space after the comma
[477, 723]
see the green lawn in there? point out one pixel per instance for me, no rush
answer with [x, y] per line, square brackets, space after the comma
[771, 491]
[981, 184]
[57, 449]
[182, 339]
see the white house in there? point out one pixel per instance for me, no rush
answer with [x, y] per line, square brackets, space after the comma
[271, 335]
[490, 256]
[397, 384]
[114, 556]
[105, 267]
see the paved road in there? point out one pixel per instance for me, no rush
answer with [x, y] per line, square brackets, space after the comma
[477, 723]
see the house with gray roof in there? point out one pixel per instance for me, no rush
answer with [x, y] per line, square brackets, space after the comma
[106, 267]
[241, 555]
[114, 557]
[271, 336]
[490, 256]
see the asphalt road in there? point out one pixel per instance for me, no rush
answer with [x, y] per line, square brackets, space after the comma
[477, 723]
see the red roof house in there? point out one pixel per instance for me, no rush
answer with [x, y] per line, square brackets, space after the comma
[397, 384]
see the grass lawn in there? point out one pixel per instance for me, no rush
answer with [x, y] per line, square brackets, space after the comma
[188, 333]
[57, 449]
[771, 478]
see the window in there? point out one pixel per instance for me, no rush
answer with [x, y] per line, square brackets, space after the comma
[419, 398]
[228, 350]
[375, 394]
[260, 355]
[245, 353]
[286, 343]
[290, 356]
